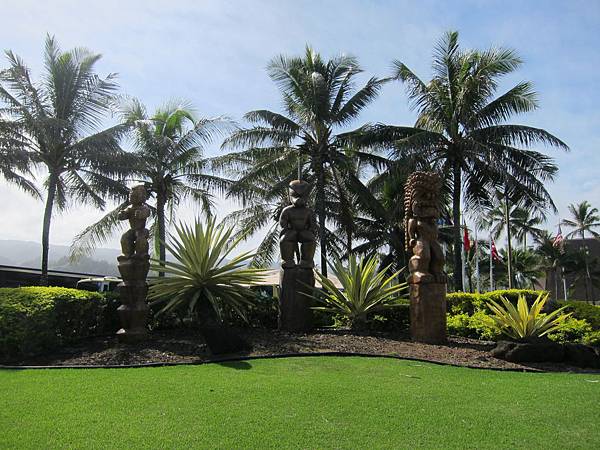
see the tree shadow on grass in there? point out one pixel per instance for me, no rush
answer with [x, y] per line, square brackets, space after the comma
[237, 365]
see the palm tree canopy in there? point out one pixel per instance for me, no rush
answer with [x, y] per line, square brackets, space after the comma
[57, 120]
[320, 97]
[462, 120]
[169, 158]
[583, 218]
[462, 128]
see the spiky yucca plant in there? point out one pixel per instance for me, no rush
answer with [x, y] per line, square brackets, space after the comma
[201, 276]
[364, 290]
[522, 323]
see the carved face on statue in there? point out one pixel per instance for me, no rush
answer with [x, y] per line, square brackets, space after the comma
[138, 195]
[424, 203]
[421, 195]
[298, 193]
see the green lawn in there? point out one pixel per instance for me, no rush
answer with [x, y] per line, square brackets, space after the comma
[317, 402]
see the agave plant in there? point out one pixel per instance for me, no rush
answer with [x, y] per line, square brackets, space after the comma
[522, 323]
[202, 276]
[364, 290]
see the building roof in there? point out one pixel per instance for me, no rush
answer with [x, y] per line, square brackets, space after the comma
[272, 279]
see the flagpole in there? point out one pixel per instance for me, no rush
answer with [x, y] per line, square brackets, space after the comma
[491, 265]
[564, 283]
[478, 286]
[464, 264]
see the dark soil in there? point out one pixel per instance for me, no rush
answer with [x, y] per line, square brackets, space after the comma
[187, 346]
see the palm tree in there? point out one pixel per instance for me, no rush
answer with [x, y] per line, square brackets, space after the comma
[462, 128]
[526, 266]
[520, 221]
[553, 257]
[15, 166]
[583, 218]
[169, 158]
[57, 123]
[319, 97]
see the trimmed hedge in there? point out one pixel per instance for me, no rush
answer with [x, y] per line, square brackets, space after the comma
[478, 326]
[34, 319]
[468, 316]
[467, 303]
[582, 310]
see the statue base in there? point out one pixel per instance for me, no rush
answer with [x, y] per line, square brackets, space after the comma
[428, 311]
[133, 311]
[297, 284]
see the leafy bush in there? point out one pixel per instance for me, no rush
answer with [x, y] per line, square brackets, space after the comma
[470, 303]
[34, 319]
[592, 338]
[463, 303]
[513, 295]
[458, 325]
[521, 322]
[365, 290]
[582, 310]
[390, 319]
[478, 326]
[201, 278]
[571, 330]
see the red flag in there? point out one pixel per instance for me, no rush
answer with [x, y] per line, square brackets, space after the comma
[466, 241]
[495, 254]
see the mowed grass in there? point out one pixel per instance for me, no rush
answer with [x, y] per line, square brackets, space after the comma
[316, 402]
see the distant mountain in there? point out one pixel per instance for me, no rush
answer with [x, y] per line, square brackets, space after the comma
[28, 254]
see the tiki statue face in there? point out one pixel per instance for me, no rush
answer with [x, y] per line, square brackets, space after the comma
[422, 195]
[298, 192]
[138, 195]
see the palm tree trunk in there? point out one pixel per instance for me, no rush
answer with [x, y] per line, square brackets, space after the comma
[321, 215]
[456, 191]
[160, 220]
[508, 244]
[52, 184]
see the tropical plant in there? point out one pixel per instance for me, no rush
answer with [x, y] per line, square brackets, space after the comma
[15, 166]
[319, 97]
[553, 257]
[462, 127]
[56, 122]
[378, 224]
[583, 218]
[201, 276]
[527, 267]
[521, 222]
[168, 158]
[523, 323]
[364, 290]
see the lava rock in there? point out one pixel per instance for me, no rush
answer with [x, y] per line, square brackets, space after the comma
[581, 355]
[222, 340]
[539, 351]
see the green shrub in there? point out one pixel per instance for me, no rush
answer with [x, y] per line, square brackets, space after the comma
[582, 310]
[470, 303]
[391, 319]
[262, 312]
[34, 319]
[571, 330]
[522, 322]
[458, 325]
[366, 290]
[512, 295]
[592, 338]
[463, 303]
[483, 326]
[478, 326]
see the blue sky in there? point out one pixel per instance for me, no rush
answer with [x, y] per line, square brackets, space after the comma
[214, 53]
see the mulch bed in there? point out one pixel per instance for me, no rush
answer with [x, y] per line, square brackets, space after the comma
[187, 346]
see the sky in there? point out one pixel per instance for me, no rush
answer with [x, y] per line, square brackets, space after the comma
[214, 54]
